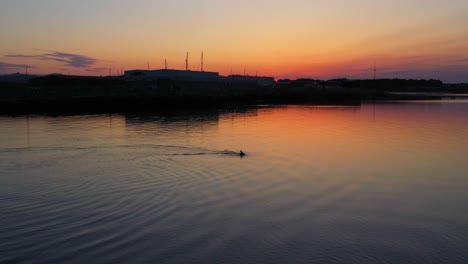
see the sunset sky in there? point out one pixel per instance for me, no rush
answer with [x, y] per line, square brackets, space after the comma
[285, 39]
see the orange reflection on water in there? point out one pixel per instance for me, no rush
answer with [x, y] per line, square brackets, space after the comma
[362, 138]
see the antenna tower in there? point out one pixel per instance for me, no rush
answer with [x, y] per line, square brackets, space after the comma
[375, 70]
[186, 62]
[201, 62]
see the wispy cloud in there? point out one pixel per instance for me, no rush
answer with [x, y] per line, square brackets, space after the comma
[72, 60]
[5, 65]
[68, 59]
[19, 56]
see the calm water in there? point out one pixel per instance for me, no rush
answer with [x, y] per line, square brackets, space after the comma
[381, 183]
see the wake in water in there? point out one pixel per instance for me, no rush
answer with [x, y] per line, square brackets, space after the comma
[156, 149]
[211, 152]
[215, 152]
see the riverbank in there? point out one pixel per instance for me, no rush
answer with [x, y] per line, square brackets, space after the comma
[114, 94]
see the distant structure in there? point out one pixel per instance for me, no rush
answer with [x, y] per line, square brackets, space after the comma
[180, 75]
[143, 75]
[375, 70]
[261, 80]
[186, 63]
[201, 66]
[198, 83]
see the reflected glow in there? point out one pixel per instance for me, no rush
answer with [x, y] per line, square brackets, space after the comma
[339, 184]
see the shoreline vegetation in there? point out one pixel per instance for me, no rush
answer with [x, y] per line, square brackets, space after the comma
[61, 93]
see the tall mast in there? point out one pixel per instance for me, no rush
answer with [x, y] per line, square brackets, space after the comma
[186, 62]
[165, 64]
[201, 61]
[375, 70]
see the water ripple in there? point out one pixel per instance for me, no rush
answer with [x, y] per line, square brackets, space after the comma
[329, 185]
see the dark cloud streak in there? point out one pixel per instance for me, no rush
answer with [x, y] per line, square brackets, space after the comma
[72, 60]
[68, 59]
[19, 56]
[12, 65]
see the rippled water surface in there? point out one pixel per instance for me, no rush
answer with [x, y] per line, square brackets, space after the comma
[385, 183]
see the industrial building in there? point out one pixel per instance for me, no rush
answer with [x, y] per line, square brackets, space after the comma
[153, 75]
[185, 75]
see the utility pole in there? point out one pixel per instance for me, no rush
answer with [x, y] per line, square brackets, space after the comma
[375, 70]
[186, 62]
[201, 62]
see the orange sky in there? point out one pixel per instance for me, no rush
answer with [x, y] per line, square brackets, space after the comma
[285, 39]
